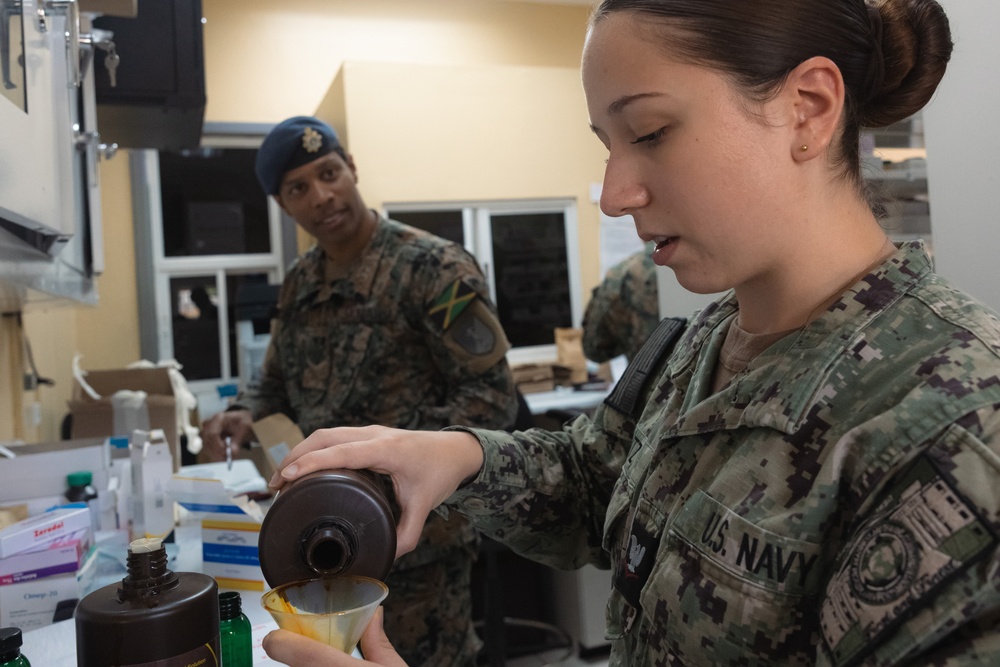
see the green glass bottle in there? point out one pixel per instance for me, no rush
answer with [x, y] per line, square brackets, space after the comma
[234, 631]
[10, 648]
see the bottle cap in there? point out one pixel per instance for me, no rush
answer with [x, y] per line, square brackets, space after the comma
[10, 641]
[145, 545]
[118, 442]
[230, 605]
[79, 478]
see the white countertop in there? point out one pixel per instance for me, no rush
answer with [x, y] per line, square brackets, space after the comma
[563, 398]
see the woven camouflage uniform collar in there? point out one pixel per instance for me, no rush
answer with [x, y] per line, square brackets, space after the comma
[797, 364]
[360, 278]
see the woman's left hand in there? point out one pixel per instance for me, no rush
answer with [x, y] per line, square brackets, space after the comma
[295, 650]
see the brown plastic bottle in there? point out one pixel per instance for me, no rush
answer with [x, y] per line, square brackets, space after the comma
[325, 524]
[153, 617]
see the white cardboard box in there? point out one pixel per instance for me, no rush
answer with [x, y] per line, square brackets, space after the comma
[230, 522]
[61, 556]
[39, 530]
[229, 551]
[152, 508]
[32, 604]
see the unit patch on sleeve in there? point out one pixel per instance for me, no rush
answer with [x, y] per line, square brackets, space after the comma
[470, 330]
[924, 534]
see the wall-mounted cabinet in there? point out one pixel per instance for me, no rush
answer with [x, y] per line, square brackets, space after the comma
[49, 193]
[156, 95]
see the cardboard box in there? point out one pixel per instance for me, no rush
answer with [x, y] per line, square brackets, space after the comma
[43, 529]
[122, 409]
[36, 476]
[569, 354]
[229, 551]
[32, 604]
[532, 378]
[276, 436]
[62, 556]
[151, 511]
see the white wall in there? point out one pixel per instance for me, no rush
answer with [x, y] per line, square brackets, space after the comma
[962, 132]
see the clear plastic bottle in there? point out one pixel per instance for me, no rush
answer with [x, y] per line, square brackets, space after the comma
[10, 648]
[153, 617]
[234, 631]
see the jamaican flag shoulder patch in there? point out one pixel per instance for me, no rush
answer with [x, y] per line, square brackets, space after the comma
[451, 303]
[469, 329]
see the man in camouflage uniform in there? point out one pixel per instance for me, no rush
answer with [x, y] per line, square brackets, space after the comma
[380, 323]
[623, 310]
[834, 504]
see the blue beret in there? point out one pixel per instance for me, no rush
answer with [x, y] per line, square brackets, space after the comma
[293, 143]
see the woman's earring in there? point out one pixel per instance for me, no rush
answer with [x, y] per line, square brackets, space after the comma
[803, 148]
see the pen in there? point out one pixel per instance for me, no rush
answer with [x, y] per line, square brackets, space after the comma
[229, 453]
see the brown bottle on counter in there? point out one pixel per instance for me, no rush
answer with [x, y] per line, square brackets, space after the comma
[325, 524]
[153, 617]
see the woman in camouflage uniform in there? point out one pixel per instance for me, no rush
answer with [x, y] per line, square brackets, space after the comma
[811, 475]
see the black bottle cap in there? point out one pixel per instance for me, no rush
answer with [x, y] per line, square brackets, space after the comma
[10, 643]
[230, 605]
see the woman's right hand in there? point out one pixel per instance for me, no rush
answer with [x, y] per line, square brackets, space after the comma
[425, 466]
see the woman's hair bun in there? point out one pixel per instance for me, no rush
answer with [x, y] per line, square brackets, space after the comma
[916, 47]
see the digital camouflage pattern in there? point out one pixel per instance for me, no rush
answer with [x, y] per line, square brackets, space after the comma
[623, 310]
[370, 348]
[838, 503]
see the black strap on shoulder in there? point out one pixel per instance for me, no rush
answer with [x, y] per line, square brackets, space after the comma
[626, 393]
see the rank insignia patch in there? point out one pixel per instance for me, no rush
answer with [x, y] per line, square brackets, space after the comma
[924, 534]
[451, 303]
[637, 564]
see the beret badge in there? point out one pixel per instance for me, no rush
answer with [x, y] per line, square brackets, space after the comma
[312, 140]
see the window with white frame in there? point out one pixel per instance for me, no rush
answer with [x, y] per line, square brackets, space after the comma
[205, 234]
[528, 251]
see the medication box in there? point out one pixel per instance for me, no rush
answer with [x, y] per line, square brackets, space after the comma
[151, 508]
[230, 522]
[36, 531]
[63, 555]
[276, 436]
[32, 604]
[229, 552]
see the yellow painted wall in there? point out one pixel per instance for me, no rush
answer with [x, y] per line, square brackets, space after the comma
[452, 133]
[107, 335]
[267, 60]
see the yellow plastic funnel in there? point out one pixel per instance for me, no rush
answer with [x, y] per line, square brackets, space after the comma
[332, 610]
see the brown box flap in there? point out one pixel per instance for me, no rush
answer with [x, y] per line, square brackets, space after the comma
[150, 380]
[276, 436]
